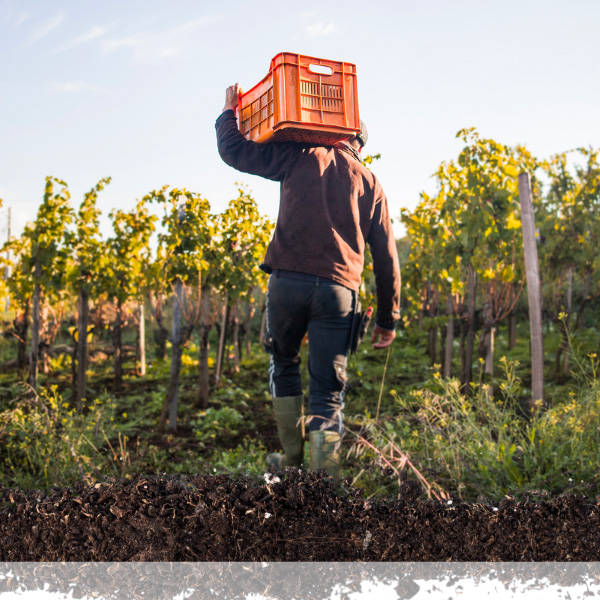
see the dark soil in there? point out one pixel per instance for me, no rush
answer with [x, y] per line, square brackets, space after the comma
[302, 517]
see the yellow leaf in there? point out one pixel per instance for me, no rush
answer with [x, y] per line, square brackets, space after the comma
[513, 222]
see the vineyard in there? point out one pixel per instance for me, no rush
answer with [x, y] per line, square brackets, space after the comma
[139, 357]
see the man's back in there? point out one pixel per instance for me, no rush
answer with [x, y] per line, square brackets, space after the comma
[331, 205]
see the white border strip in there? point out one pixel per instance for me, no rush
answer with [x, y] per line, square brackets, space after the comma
[299, 580]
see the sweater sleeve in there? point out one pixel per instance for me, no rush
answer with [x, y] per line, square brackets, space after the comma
[386, 266]
[265, 160]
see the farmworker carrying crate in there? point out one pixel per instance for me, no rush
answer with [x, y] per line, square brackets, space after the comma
[331, 205]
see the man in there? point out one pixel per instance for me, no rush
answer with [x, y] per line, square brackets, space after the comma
[330, 206]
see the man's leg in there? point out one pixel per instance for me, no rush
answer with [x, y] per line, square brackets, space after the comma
[332, 309]
[287, 317]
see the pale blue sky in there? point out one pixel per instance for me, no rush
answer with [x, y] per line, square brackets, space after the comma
[131, 88]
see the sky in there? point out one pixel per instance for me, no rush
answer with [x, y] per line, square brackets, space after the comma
[131, 88]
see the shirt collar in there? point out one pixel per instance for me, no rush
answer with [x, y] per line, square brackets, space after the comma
[346, 147]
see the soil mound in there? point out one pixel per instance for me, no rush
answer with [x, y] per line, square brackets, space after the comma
[292, 516]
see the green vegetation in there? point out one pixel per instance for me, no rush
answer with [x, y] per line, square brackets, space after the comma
[452, 408]
[473, 446]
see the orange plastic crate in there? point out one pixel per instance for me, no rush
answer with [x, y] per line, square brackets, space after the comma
[302, 99]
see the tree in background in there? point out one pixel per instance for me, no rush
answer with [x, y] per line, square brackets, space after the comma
[487, 211]
[244, 235]
[16, 255]
[87, 277]
[128, 252]
[570, 231]
[467, 239]
[49, 255]
[429, 272]
[180, 266]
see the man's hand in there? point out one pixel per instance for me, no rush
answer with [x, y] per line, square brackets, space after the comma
[232, 97]
[386, 337]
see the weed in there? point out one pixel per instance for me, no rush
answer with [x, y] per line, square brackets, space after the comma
[479, 445]
[216, 422]
[45, 442]
[248, 458]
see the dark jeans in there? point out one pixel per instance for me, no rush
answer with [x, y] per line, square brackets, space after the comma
[297, 303]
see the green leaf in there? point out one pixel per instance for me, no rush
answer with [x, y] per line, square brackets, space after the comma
[508, 274]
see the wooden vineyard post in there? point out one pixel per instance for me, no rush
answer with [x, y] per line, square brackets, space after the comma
[142, 338]
[176, 340]
[533, 291]
[81, 348]
[175, 354]
[7, 267]
[172, 397]
[205, 327]
[449, 343]
[467, 358]
[221, 348]
[35, 328]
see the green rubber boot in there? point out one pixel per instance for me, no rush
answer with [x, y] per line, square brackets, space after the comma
[325, 452]
[287, 411]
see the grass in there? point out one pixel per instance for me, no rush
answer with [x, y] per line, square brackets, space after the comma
[456, 445]
[45, 442]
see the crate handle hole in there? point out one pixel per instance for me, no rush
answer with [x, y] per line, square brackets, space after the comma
[320, 69]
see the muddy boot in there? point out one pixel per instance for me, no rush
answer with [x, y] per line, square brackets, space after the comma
[325, 452]
[287, 411]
